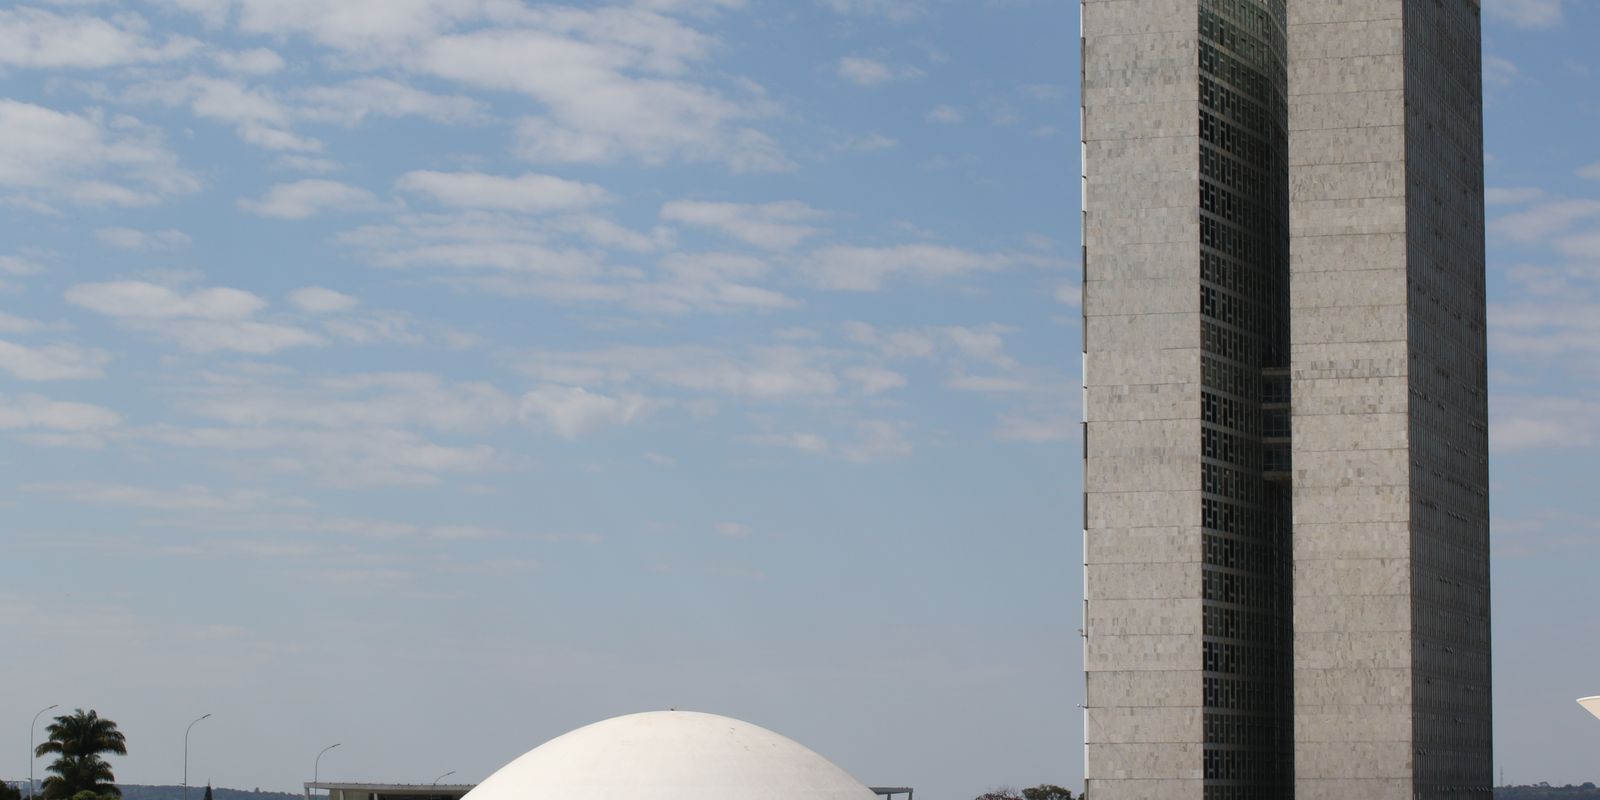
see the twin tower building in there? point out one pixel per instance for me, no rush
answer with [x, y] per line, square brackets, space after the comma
[1286, 491]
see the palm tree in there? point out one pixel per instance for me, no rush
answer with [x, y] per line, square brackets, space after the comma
[79, 739]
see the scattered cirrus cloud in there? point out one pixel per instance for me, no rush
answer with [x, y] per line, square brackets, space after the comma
[1528, 13]
[200, 320]
[864, 71]
[91, 159]
[770, 226]
[37, 38]
[311, 197]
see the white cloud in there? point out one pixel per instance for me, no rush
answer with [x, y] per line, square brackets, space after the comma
[773, 226]
[1037, 430]
[35, 38]
[732, 530]
[182, 498]
[138, 299]
[866, 269]
[133, 239]
[348, 458]
[88, 160]
[1546, 219]
[1511, 195]
[309, 197]
[875, 380]
[201, 321]
[1499, 71]
[1069, 294]
[528, 193]
[16, 265]
[52, 362]
[318, 300]
[1590, 171]
[31, 411]
[1527, 13]
[350, 103]
[11, 323]
[948, 115]
[256, 61]
[258, 115]
[1520, 422]
[877, 440]
[780, 372]
[610, 81]
[892, 9]
[572, 411]
[555, 258]
[390, 400]
[864, 71]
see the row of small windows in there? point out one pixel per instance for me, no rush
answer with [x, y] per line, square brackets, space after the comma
[1238, 415]
[1247, 625]
[1240, 278]
[1264, 20]
[1245, 659]
[1252, 523]
[1241, 729]
[1224, 306]
[1248, 49]
[1230, 138]
[1227, 103]
[1247, 590]
[1228, 343]
[1247, 180]
[1232, 208]
[1231, 482]
[1233, 379]
[1262, 696]
[1228, 241]
[1229, 447]
[1243, 765]
[1217, 62]
[1263, 792]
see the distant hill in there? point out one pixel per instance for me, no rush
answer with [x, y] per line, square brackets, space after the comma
[137, 792]
[1543, 791]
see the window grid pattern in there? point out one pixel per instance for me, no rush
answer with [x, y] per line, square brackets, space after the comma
[1248, 715]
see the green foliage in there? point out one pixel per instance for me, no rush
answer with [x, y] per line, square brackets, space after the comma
[1044, 791]
[9, 792]
[79, 739]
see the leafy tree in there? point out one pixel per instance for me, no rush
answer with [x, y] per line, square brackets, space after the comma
[208, 792]
[1046, 791]
[1002, 793]
[9, 792]
[79, 739]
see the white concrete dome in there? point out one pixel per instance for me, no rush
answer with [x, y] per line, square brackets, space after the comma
[671, 755]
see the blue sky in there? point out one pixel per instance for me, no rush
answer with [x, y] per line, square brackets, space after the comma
[435, 376]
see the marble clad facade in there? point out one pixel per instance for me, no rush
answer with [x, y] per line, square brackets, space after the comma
[1285, 438]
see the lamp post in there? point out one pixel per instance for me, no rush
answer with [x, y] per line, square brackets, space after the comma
[186, 755]
[316, 766]
[31, 726]
[442, 777]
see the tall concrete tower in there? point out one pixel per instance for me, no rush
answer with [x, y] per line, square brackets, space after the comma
[1286, 480]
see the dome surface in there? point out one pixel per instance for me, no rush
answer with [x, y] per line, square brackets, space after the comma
[671, 755]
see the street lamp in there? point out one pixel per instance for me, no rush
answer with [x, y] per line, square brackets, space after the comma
[1590, 704]
[316, 766]
[186, 755]
[442, 777]
[31, 726]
